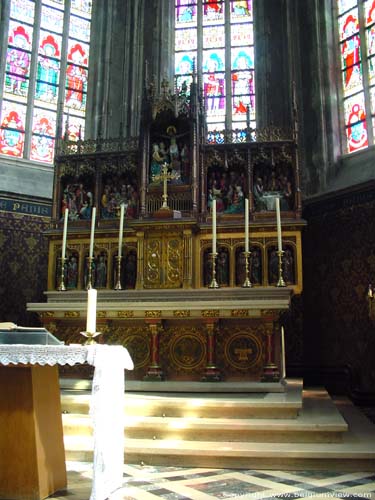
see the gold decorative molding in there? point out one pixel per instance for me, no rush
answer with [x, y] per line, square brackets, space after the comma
[181, 314]
[210, 313]
[125, 314]
[72, 314]
[239, 313]
[152, 314]
[46, 314]
[101, 314]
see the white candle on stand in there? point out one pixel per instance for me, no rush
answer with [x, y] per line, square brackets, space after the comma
[214, 226]
[278, 221]
[91, 254]
[246, 225]
[121, 232]
[65, 232]
[91, 310]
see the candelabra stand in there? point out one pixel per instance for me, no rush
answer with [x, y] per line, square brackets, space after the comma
[281, 281]
[61, 287]
[214, 283]
[118, 281]
[89, 274]
[90, 337]
[247, 282]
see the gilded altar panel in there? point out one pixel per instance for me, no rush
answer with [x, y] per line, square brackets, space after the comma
[163, 262]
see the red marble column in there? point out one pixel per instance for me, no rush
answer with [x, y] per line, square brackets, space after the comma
[271, 372]
[154, 371]
[211, 372]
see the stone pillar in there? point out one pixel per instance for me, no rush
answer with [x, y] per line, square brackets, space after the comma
[188, 259]
[154, 371]
[211, 372]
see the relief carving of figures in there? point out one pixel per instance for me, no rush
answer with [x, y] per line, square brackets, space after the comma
[78, 197]
[270, 182]
[228, 188]
[119, 189]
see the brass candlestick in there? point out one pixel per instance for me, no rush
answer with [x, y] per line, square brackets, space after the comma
[118, 281]
[89, 272]
[90, 337]
[247, 282]
[281, 281]
[214, 283]
[61, 287]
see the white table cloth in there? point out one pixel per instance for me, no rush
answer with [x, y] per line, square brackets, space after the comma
[107, 400]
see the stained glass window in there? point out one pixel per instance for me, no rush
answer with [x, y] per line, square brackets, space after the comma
[46, 74]
[356, 26]
[226, 70]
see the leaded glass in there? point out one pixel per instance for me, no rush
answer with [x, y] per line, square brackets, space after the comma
[79, 28]
[242, 34]
[186, 39]
[344, 5]
[241, 10]
[370, 12]
[50, 45]
[183, 83]
[17, 72]
[44, 130]
[355, 118]
[184, 62]
[186, 13]
[242, 58]
[52, 19]
[215, 134]
[12, 129]
[75, 128]
[20, 35]
[213, 60]
[352, 79]
[76, 87]
[213, 36]
[370, 36]
[213, 12]
[55, 3]
[349, 24]
[22, 10]
[372, 96]
[83, 7]
[48, 74]
[371, 69]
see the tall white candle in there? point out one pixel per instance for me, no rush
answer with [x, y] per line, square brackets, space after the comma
[283, 373]
[91, 310]
[91, 254]
[278, 221]
[121, 232]
[65, 232]
[214, 226]
[246, 225]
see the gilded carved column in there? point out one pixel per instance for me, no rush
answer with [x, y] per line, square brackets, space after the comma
[140, 260]
[188, 259]
[211, 372]
[270, 370]
[154, 371]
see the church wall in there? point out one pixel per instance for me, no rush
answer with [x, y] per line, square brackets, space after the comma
[339, 264]
[24, 257]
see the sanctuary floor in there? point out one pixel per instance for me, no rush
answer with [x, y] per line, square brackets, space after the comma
[177, 483]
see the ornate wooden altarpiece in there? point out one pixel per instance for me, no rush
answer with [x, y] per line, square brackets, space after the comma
[175, 326]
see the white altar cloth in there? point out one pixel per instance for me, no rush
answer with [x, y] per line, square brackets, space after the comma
[107, 400]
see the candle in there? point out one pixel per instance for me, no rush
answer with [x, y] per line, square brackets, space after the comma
[214, 226]
[65, 232]
[91, 254]
[121, 232]
[91, 310]
[278, 220]
[246, 225]
[283, 352]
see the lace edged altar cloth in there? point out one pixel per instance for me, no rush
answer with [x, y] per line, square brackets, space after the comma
[106, 406]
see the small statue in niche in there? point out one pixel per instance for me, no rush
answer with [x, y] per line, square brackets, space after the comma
[288, 266]
[72, 272]
[240, 267]
[222, 274]
[101, 272]
[130, 269]
[273, 266]
[255, 266]
[237, 202]
[258, 191]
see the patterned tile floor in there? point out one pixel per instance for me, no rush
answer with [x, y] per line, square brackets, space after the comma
[176, 483]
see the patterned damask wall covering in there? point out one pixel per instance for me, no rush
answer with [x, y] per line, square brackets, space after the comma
[23, 266]
[339, 264]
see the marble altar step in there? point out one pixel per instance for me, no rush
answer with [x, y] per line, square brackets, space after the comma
[323, 436]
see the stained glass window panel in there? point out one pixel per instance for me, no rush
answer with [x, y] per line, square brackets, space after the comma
[372, 96]
[22, 10]
[352, 79]
[83, 7]
[242, 58]
[12, 129]
[186, 39]
[370, 12]
[17, 72]
[78, 53]
[52, 19]
[48, 74]
[184, 62]
[186, 13]
[55, 3]
[370, 35]
[242, 34]
[355, 116]
[44, 130]
[241, 10]
[50, 45]
[344, 5]
[183, 83]
[213, 87]
[213, 12]
[20, 35]
[213, 36]
[79, 28]
[349, 24]
[213, 60]
[76, 87]
[371, 69]
[75, 129]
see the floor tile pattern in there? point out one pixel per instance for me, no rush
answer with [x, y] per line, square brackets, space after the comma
[176, 483]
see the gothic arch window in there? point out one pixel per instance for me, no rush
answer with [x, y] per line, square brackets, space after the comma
[356, 26]
[217, 37]
[44, 74]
